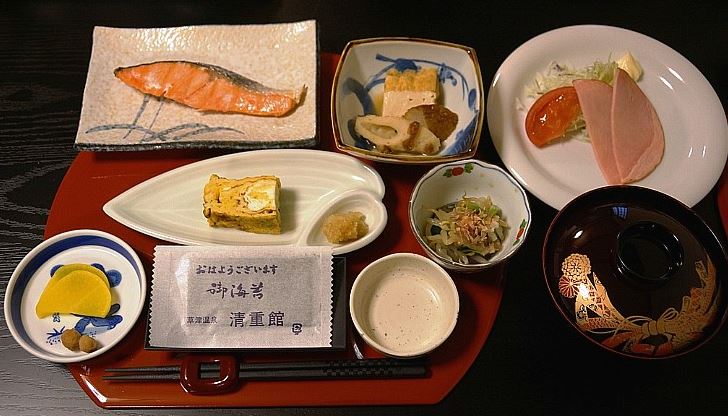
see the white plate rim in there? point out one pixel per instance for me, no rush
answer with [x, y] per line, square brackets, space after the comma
[541, 185]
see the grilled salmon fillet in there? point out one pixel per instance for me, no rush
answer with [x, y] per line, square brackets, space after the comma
[209, 88]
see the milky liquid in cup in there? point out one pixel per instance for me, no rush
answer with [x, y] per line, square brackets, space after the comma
[405, 312]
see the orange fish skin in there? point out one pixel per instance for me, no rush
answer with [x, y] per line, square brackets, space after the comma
[208, 88]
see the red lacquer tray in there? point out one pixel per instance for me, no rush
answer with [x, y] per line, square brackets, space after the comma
[722, 197]
[95, 178]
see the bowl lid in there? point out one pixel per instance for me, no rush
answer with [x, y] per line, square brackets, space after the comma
[636, 271]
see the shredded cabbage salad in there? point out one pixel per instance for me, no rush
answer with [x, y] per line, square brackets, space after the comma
[559, 75]
[467, 231]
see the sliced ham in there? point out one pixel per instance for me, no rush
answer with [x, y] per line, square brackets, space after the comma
[595, 100]
[637, 137]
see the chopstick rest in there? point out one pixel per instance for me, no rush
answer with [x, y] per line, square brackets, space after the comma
[204, 374]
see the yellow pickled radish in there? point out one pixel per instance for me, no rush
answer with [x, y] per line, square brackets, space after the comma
[80, 291]
[68, 268]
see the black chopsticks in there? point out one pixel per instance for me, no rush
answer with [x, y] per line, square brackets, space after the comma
[324, 369]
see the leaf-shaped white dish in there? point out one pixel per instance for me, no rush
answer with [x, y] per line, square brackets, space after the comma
[314, 184]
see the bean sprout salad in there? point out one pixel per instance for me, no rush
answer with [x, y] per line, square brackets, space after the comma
[467, 231]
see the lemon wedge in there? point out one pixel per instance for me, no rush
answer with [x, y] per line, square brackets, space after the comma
[79, 291]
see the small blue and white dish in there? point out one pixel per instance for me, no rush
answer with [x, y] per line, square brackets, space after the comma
[42, 337]
[358, 89]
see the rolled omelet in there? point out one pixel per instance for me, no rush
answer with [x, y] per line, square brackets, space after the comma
[249, 204]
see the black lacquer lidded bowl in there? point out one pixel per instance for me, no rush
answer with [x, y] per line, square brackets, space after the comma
[636, 271]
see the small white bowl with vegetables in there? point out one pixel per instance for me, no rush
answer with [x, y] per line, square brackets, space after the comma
[469, 215]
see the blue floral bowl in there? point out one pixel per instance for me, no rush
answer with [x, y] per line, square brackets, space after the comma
[42, 336]
[358, 89]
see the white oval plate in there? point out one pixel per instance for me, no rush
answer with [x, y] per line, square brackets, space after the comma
[693, 119]
[313, 184]
[42, 336]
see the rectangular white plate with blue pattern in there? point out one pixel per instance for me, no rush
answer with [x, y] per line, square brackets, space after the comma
[116, 116]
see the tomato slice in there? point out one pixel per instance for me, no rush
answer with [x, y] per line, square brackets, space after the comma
[551, 115]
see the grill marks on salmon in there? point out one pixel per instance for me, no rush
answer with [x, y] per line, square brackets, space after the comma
[209, 88]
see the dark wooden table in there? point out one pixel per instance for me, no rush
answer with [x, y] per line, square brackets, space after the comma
[533, 362]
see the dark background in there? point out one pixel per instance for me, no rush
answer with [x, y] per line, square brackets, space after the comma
[533, 361]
